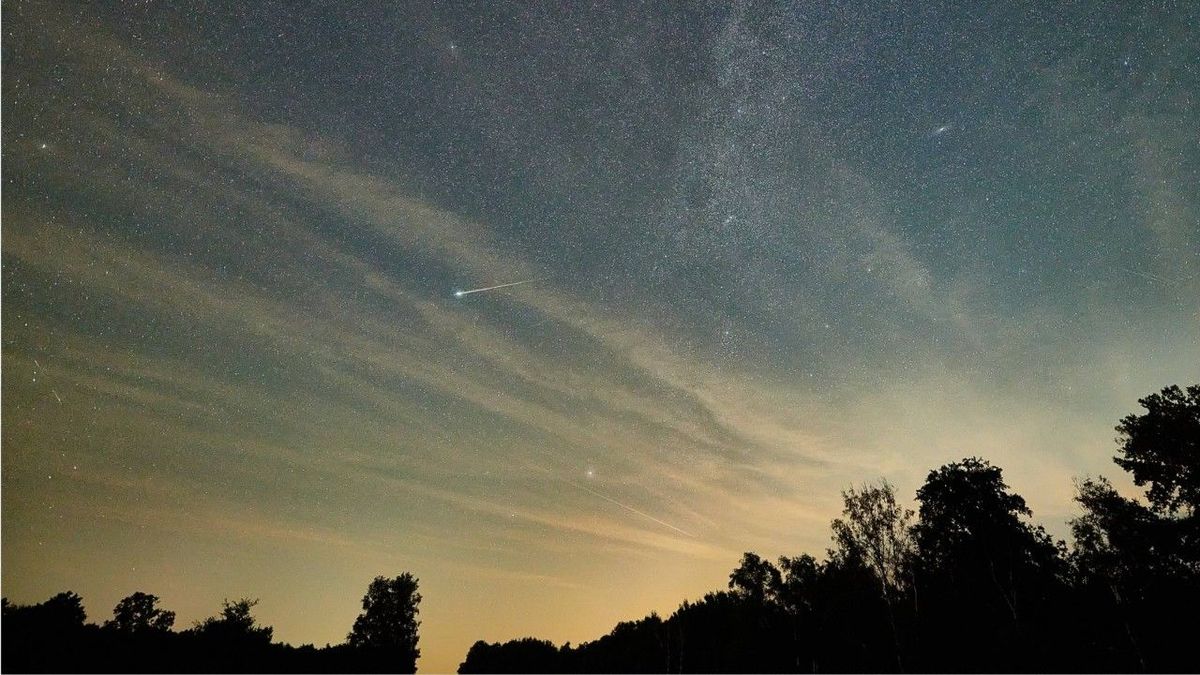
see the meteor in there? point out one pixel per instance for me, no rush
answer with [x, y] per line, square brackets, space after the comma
[459, 294]
[628, 508]
[606, 498]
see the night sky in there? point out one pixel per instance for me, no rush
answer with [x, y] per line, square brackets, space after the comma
[776, 250]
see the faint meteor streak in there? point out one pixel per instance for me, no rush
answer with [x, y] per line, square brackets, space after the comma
[1146, 275]
[629, 508]
[608, 499]
[52, 391]
[459, 294]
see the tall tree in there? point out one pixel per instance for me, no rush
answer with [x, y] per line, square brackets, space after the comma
[1161, 448]
[983, 570]
[969, 517]
[387, 627]
[797, 589]
[1139, 563]
[1120, 539]
[797, 595]
[874, 532]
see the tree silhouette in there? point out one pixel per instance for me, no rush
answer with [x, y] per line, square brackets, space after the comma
[972, 586]
[235, 625]
[800, 576]
[138, 613]
[875, 530]
[986, 571]
[875, 533]
[41, 637]
[1119, 538]
[968, 516]
[1122, 540]
[387, 627]
[1161, 447]
[526, 655]
[1135, 562]
[755, 578]
[797, 595]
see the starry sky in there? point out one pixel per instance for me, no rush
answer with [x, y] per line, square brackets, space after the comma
[779, 249]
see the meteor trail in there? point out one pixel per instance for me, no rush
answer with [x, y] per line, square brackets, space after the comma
[459, 294]
[606, 498]
[629, 508]
[1145, 275]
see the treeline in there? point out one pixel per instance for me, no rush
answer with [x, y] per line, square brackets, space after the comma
[965, 584]
[54, 636]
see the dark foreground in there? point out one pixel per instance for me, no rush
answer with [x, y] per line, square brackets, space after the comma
[967, 583]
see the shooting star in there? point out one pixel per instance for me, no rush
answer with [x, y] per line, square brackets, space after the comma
[1146, 275]
[606, 498]
[459, 294]
[647, 516]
